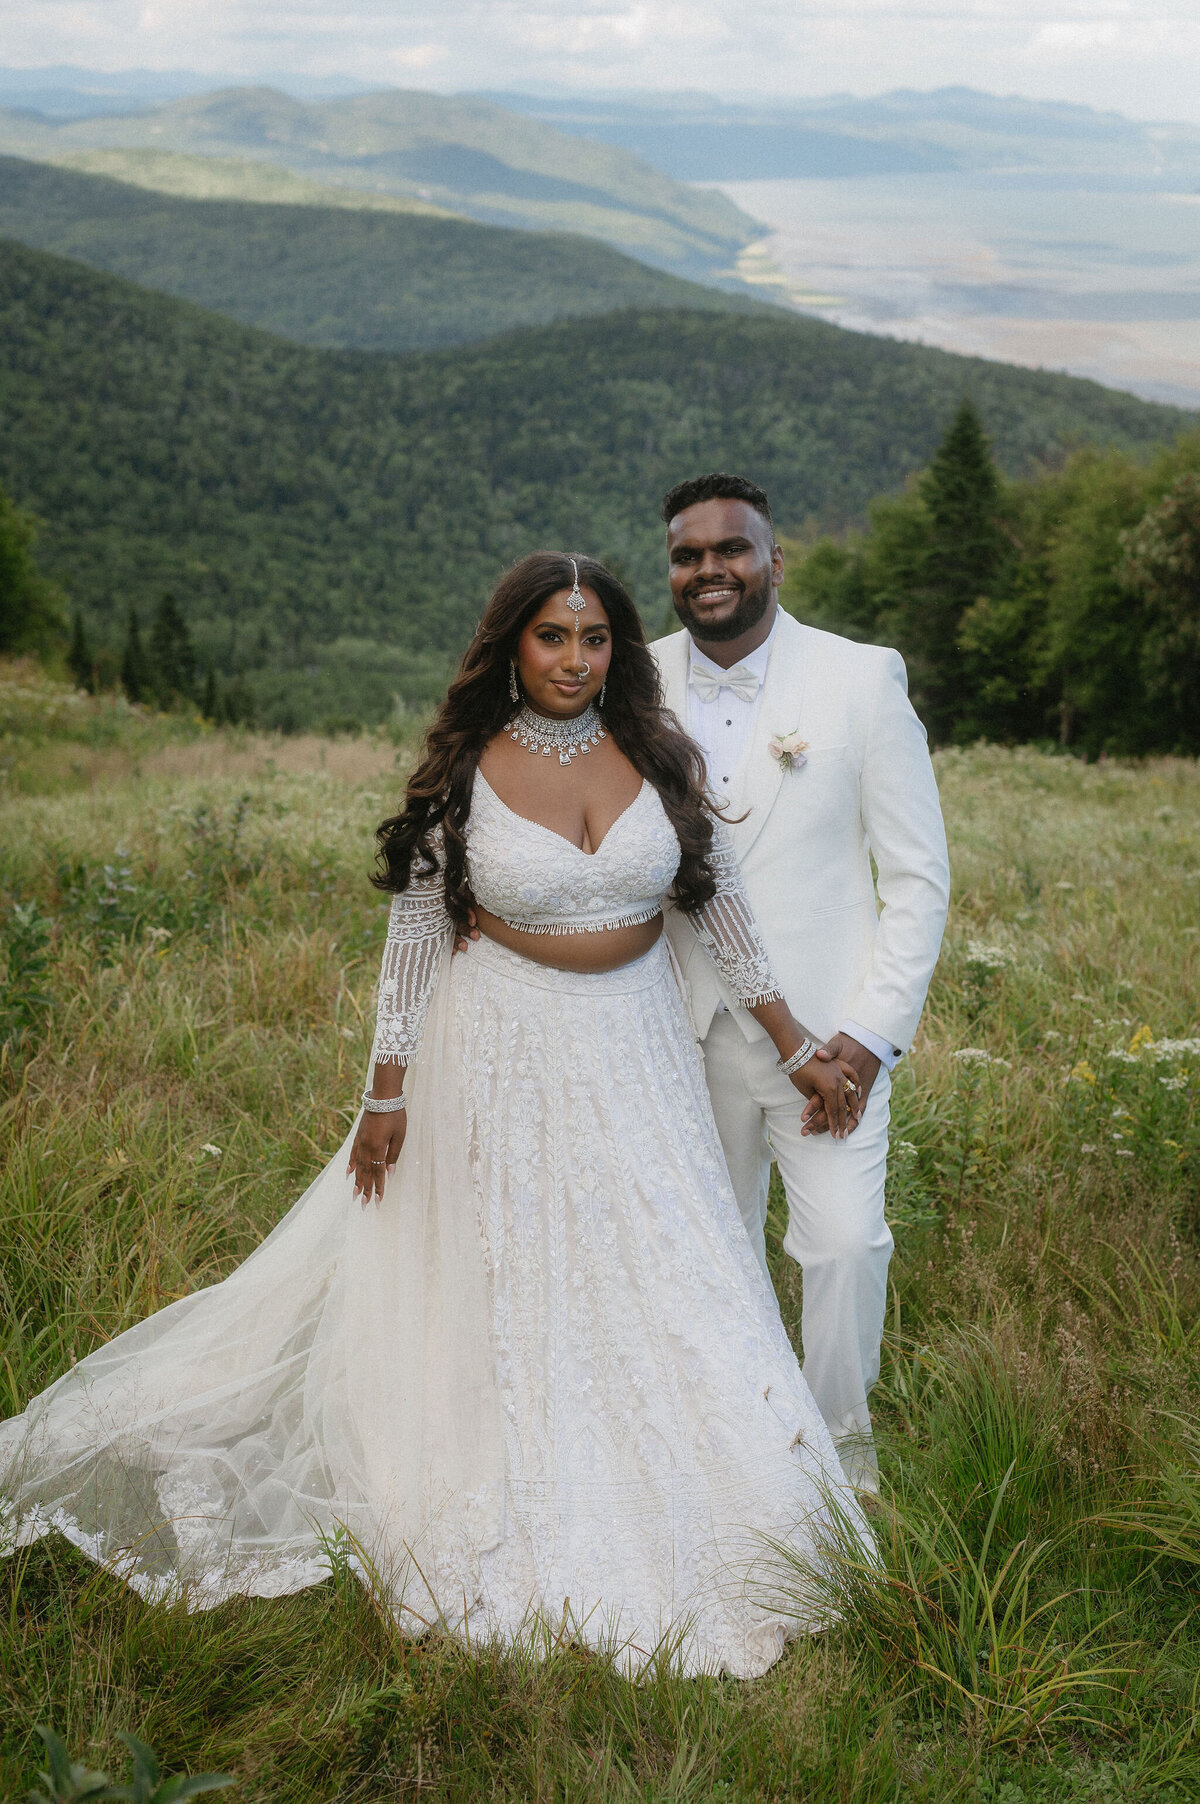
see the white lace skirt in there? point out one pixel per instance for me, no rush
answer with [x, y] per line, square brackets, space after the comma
[654, 1438]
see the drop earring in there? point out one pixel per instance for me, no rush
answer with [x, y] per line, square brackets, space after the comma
[600, 697]
[514, 688]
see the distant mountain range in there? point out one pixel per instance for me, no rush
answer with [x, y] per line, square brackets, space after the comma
[700, 138]
[331, 522]
[368, 272]
[466, 156]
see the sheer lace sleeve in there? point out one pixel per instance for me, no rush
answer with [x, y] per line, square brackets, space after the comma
[418, 927]
[729, 931]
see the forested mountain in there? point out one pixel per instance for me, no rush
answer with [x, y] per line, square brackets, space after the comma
[466, 155]
[330, 522]
[350, 278]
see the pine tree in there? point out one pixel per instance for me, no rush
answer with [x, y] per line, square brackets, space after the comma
[952, 558]
[210, 701]
[135, 668]
[172, 656]
[79, 657]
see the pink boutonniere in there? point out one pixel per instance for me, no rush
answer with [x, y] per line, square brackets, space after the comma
[788, 749]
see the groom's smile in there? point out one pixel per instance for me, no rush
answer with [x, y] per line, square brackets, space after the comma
[724, 568]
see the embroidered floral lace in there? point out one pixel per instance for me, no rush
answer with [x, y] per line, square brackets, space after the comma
[534, 879]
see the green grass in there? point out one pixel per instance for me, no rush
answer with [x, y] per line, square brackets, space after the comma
[1032, 1633]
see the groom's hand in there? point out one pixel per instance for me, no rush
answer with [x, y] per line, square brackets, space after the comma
[841, 1046]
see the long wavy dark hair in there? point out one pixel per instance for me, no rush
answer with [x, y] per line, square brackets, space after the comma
[478, 705]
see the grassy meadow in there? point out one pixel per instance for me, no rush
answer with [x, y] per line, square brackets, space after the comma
[190, 947]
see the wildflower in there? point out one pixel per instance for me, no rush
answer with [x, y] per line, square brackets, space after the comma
[1083, 1072]
[1143, 1037]
[1119, 1056]
[214, 1152]
[1124, 1152]
[1174, 1083]
[1087, 1149]
[989, 958]
[906, 1149]
[1173, 1049]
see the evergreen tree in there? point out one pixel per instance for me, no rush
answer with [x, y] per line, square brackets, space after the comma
[79, 656]
[210, 701]
[172, 656]
[947, 555]
[32, 617]
[135, 668]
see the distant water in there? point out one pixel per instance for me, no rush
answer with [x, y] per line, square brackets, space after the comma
[1095, 275]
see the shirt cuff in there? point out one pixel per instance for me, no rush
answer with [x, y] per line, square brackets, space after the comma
[884, 1051]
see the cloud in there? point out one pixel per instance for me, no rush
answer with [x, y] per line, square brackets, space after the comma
[1136, 55]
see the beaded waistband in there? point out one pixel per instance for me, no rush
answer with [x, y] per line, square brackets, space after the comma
[586, 923]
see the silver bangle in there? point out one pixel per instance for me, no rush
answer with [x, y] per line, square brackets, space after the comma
[383, 1105]
[801, 1056]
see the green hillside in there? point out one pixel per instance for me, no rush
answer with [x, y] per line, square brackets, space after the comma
[351, 278]
[331, 521]
[469, 156]
[235, 178]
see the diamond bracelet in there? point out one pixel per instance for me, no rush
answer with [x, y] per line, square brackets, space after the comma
[801, 1056]
[383, 1105]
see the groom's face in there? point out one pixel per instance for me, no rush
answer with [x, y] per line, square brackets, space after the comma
[724, 567]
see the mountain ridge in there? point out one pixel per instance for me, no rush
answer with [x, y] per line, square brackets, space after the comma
[339, 277]
[467, 156]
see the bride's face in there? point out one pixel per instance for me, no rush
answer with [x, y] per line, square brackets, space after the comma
[563, 656]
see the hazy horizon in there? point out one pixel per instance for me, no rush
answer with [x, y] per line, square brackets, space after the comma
[1138, 57]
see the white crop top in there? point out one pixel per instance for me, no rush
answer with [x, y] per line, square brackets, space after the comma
[534, 879]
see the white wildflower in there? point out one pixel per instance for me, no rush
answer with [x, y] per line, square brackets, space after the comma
[1173, 1083]
[1119, 1056]
[1173, 1049]
[975, 1055]
[214, 1152]
[1087, 1149]
[992, 958]
[1124, 1152]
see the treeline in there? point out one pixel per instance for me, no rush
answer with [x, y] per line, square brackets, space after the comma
[1063, 607]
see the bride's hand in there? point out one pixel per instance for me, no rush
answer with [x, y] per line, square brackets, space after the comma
[834, 1086]
[375, 1151]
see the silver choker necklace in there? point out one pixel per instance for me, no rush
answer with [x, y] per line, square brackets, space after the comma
[545, 734]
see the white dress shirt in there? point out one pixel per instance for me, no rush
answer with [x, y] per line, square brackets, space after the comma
[722, 728]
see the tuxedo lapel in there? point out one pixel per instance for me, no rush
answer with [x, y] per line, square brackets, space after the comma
[757, 780]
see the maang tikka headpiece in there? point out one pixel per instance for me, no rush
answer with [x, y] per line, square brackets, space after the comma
[576, 601]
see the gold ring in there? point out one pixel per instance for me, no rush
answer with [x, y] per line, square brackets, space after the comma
[849, 1088]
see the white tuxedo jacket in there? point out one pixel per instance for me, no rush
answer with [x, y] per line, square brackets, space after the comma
[867, 790]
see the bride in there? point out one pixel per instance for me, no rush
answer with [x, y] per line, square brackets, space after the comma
[512, 1349]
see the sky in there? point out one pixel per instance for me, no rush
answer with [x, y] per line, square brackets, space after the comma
[1139, 57]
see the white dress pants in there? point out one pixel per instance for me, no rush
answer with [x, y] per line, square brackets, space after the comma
[836, 1230]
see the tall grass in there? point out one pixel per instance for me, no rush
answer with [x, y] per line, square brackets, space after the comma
[189, 949]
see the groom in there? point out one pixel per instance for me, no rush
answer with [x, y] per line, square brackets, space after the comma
[742, 677]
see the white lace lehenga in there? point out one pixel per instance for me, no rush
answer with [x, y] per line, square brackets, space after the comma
[547, 1377]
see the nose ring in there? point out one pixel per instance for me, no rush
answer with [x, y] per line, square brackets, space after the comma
[586, 671]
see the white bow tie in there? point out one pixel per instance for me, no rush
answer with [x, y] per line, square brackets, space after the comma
[708, 685]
